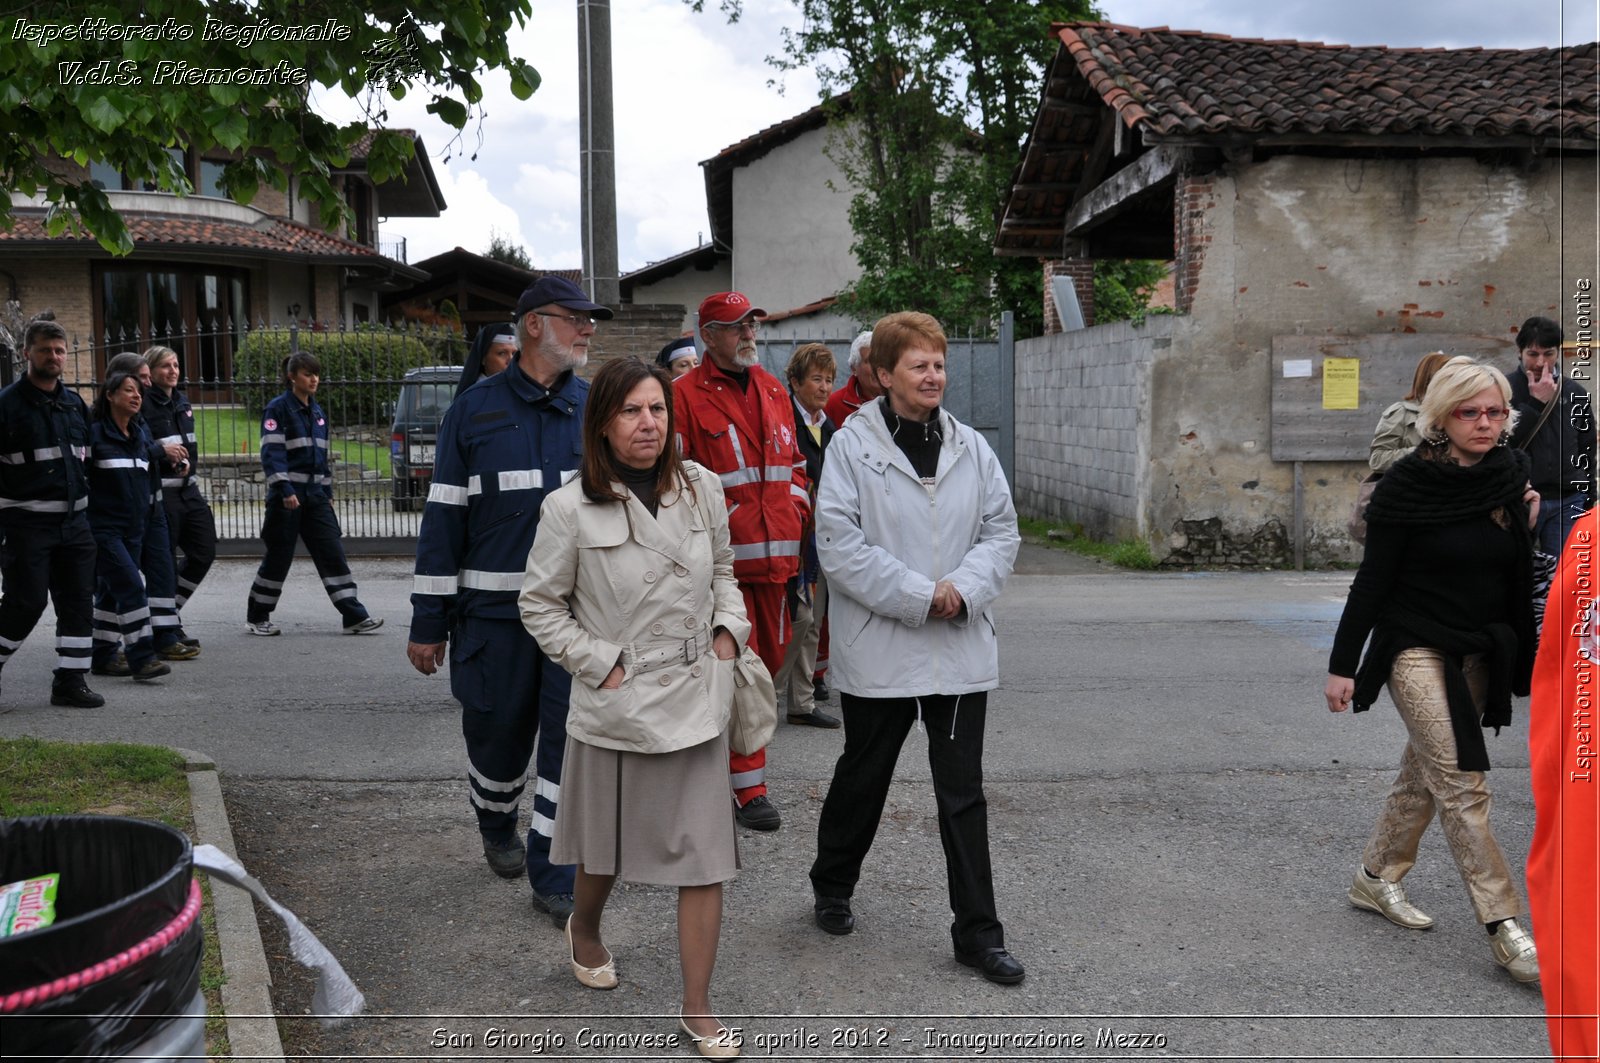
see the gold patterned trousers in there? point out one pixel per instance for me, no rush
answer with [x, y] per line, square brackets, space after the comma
[1429, 779]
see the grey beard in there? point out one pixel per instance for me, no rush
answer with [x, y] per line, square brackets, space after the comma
[745, 359]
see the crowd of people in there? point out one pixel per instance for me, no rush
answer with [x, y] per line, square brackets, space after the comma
[604, 549]
[1477, 475]
[595, 554]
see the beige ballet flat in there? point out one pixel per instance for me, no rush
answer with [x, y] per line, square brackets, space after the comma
[601, 977]
[725, 1045]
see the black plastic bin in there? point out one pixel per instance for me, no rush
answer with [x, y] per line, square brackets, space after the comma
[120, 967]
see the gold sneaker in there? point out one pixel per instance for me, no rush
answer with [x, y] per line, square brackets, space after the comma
[1513, 950]
[1388, 899]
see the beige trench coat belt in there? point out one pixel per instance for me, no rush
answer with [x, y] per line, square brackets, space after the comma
[675, 651]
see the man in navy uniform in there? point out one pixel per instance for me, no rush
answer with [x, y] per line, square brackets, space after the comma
[505, 443]
[48, 550]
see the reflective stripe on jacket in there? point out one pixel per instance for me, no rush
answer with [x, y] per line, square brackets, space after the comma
[758, 461]
[124, 478]
[171, 420]
[504, 445]
[294, 449]
[44, 443]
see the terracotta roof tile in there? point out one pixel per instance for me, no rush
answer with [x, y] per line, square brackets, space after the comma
[269, 235]
[1187, 83]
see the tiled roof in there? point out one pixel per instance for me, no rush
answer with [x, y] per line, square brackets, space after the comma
[1187, 83]
[270, 236]
[802, 311]
[1207, 89]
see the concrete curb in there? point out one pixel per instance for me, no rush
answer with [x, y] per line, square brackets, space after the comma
[246, 992]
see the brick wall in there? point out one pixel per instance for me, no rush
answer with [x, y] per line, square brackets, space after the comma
[639, 329]
[61, 285]
[1195, 195]
[1081, 270]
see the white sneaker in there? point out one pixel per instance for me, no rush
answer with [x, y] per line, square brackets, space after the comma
[262, 627]
[364, 627]
[1513, 950]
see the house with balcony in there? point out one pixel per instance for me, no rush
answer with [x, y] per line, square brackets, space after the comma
[205, 269]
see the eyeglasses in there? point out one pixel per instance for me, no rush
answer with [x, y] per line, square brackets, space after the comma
[577, 321]
[1472, 413]
[753, 325]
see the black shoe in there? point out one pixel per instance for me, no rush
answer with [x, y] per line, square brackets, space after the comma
[190, 640]
[814, 718]
[556, 905]
[833, 914]
[759, 814]
[507, 858]
[996, 964]
[820, 692]
[74, 693]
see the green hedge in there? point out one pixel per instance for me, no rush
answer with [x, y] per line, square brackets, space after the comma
[361, 369]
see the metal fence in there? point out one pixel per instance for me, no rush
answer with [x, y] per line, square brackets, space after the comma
[230, 372]
[364, 370]
[977, 368]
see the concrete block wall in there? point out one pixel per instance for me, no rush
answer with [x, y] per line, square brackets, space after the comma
[1082, 425]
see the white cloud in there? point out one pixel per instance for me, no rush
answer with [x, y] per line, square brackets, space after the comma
[473, 214]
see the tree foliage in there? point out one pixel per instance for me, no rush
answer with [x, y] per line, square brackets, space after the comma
[941, 96]
[1123, 287]
[121, 83]
[501, 249]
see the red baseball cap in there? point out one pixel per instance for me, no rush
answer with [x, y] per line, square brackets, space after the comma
[724, 308]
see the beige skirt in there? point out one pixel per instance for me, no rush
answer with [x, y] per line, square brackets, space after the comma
[660, 818]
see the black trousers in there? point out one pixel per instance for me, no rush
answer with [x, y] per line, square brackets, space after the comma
[316, 524]
[874, 731]
[193, 529]
[49, 562]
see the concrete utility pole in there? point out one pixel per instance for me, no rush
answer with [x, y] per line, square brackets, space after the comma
[597, 155]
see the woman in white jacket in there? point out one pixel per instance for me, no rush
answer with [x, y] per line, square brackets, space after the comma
[916, 535]
[630, 588]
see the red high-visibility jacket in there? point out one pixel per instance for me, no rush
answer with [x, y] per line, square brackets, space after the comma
[1564, 859]
[747, 439]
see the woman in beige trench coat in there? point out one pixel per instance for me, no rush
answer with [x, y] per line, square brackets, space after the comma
[630, 588]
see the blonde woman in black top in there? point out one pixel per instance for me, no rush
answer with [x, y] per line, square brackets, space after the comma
[1444, 590]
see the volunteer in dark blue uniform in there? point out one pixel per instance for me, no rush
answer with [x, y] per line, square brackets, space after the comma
[124, 490]
[190, 523]
[294, 453]
[47, 550]
[154, 555]
[506, 442]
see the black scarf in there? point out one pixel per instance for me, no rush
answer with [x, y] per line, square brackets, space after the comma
[1427, 488]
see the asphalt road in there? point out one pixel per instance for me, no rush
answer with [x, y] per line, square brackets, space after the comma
[1174, 818]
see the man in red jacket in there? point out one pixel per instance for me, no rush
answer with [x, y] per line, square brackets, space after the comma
[734, 418]
[859, 389]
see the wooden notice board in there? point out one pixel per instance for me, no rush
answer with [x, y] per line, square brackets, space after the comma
[1310, 418]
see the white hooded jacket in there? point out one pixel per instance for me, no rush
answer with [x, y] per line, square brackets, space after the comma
[884, 539]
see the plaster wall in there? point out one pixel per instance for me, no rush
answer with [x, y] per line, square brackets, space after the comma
[686, 288]
[1082, 431]
[791, 232]
[1309, 246]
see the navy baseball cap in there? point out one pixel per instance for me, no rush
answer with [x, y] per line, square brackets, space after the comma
[561, 292]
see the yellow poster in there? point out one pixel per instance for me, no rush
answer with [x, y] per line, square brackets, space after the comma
[1341, 383]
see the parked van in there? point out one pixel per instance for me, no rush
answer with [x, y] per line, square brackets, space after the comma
[424, 396]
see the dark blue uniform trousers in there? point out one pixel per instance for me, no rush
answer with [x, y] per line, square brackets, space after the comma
[511, 694]
[48, 563]
[121, 609]
[874, 731]
[316, 523]
[160, 581]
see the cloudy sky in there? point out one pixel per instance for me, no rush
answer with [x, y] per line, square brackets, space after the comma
[688, 85]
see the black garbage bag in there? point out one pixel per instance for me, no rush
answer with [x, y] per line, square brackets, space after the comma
[122, 959]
